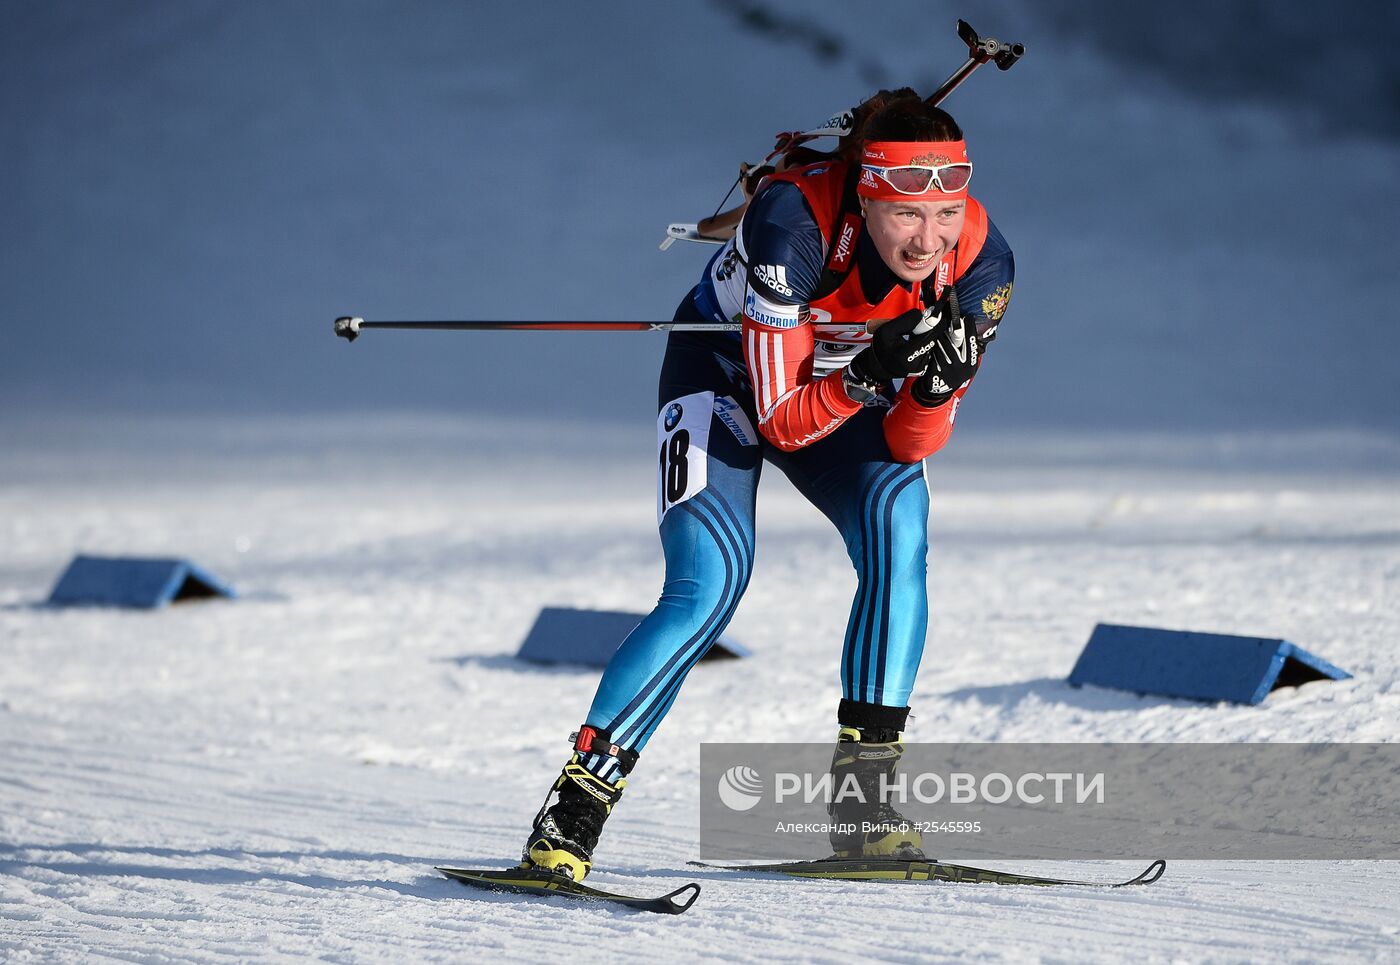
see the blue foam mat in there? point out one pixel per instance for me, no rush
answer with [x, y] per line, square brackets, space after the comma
[134, 582]
[1200, 666]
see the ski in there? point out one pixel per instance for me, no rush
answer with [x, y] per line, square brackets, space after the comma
[523, 881]
[891, 869]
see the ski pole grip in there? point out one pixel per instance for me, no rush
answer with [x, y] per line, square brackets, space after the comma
[348, 327]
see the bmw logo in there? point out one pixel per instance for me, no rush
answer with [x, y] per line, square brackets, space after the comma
[673, 415]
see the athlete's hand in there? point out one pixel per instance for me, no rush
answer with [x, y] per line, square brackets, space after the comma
[900, 347]
[952, 361]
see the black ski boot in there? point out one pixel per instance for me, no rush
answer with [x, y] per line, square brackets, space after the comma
[565, 833]
[868, 748]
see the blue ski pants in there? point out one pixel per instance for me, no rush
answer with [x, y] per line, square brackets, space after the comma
[879, 506]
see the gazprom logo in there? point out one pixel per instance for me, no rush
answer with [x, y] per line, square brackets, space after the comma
[740, 788]
[766, 313]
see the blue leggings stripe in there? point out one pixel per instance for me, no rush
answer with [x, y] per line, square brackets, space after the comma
[621, 730]
[864, 590]
[887, 569]
[645, 710]
[725, 515]
[874, 589]
[859, 630]
[718, 520]
[877, 553]
[724, 518]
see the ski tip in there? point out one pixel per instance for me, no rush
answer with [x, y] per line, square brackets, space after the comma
[1154, 871]
[682, 898]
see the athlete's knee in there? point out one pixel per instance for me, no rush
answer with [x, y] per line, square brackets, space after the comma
[908, 528]
[709, 559]
[694, 604]
[712, 580]
[892, 541]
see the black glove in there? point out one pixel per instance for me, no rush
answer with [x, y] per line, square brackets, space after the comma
[952, 360]
[900, 347]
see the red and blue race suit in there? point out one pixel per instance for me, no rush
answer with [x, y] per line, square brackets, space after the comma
[729, 402]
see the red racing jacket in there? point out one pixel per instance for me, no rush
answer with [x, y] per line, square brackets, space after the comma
[793, 348]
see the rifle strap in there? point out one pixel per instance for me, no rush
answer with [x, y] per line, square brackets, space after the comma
[841, 256]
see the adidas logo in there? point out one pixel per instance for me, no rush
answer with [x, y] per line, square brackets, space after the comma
[775, 277]
[920, 351]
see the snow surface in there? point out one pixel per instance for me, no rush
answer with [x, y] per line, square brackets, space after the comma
[273, 778]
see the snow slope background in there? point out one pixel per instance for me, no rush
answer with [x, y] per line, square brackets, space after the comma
[1189, 423]
[193, 190]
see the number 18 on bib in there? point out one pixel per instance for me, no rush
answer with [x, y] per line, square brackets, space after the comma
[682, 435]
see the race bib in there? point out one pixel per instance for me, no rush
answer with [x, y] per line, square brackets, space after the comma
[682, 437]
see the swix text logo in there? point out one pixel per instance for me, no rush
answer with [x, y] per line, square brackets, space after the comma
[845, 243]
[945, 268]
[775, 277]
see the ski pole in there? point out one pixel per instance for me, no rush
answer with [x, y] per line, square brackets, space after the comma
[349, 326]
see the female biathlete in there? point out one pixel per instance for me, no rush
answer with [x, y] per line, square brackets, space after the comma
[883, 232]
